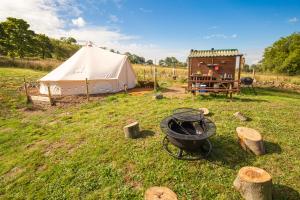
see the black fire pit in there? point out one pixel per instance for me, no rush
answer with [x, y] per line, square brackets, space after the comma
[188, 130]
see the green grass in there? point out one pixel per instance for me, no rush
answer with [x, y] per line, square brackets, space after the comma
[80, 151]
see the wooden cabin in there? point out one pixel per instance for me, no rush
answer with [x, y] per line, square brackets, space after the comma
[215, 70]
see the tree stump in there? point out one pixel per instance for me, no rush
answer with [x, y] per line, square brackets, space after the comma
[160, 193]
[132, 130]
[240, 116]
[204, 110]
[251, 139]
[254, 183]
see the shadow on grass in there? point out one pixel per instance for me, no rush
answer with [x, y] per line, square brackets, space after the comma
[226, 151]
[225, 98]
[272, 147]
[146, 133]
[284, 192]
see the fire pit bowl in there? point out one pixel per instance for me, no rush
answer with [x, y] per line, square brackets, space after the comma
[188, 136]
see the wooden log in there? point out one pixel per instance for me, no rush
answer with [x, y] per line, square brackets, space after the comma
[87, 89]
[254, 183]
[240, 116]
[132, 130]
[160, 193]
[250, 139]
[38, 99]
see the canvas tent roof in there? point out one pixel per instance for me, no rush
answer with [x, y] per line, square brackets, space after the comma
[89, 62]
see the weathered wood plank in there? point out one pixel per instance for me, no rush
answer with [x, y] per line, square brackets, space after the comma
[40, 99]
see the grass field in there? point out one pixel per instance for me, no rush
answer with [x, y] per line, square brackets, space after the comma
[79, 151]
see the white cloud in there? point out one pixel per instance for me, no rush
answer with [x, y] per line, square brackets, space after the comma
[40, 15]
[219, 36]
[253, 56]
[102, 36]
[293, 20]
[49, 17]
[79, 22]
[145, 10]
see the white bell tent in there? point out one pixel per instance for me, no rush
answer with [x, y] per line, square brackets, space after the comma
[106, 72]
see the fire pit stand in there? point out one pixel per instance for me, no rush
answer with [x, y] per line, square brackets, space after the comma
[187, 133]
[181, 154]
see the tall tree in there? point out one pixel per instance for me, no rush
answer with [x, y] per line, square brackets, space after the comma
[2, 40]
[135, 59]
[283, 55]
[149, 62]
[69, 40]
[43, 46]
[170, 61]
[161, 62]
[63, 49]
[19, 38]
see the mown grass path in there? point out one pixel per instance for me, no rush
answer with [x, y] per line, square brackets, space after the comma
[80, 151]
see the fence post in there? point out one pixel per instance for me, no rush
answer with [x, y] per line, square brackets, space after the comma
[87, 89]
[230, 91]
[125, 88]
[50, 96]
[155, 86]
[26, 91]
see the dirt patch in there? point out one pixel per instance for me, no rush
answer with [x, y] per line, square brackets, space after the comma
[6, 130]
[63, 144]
[54, 146]
[71, 100]
[42, 168]
[129, 169]
[33, 108]
[74, 147]
[36, 144]
[176, 91]
[13, 173]
[140, 91]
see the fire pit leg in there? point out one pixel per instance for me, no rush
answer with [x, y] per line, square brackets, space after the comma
[180, 153]
[206, 152]
[183, 155]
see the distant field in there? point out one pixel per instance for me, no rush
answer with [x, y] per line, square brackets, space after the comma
[79, 151]
[164, 73]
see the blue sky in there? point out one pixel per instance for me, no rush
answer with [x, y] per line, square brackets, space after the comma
[158, 28]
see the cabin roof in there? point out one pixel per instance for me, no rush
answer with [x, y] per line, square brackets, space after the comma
[214, 53]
